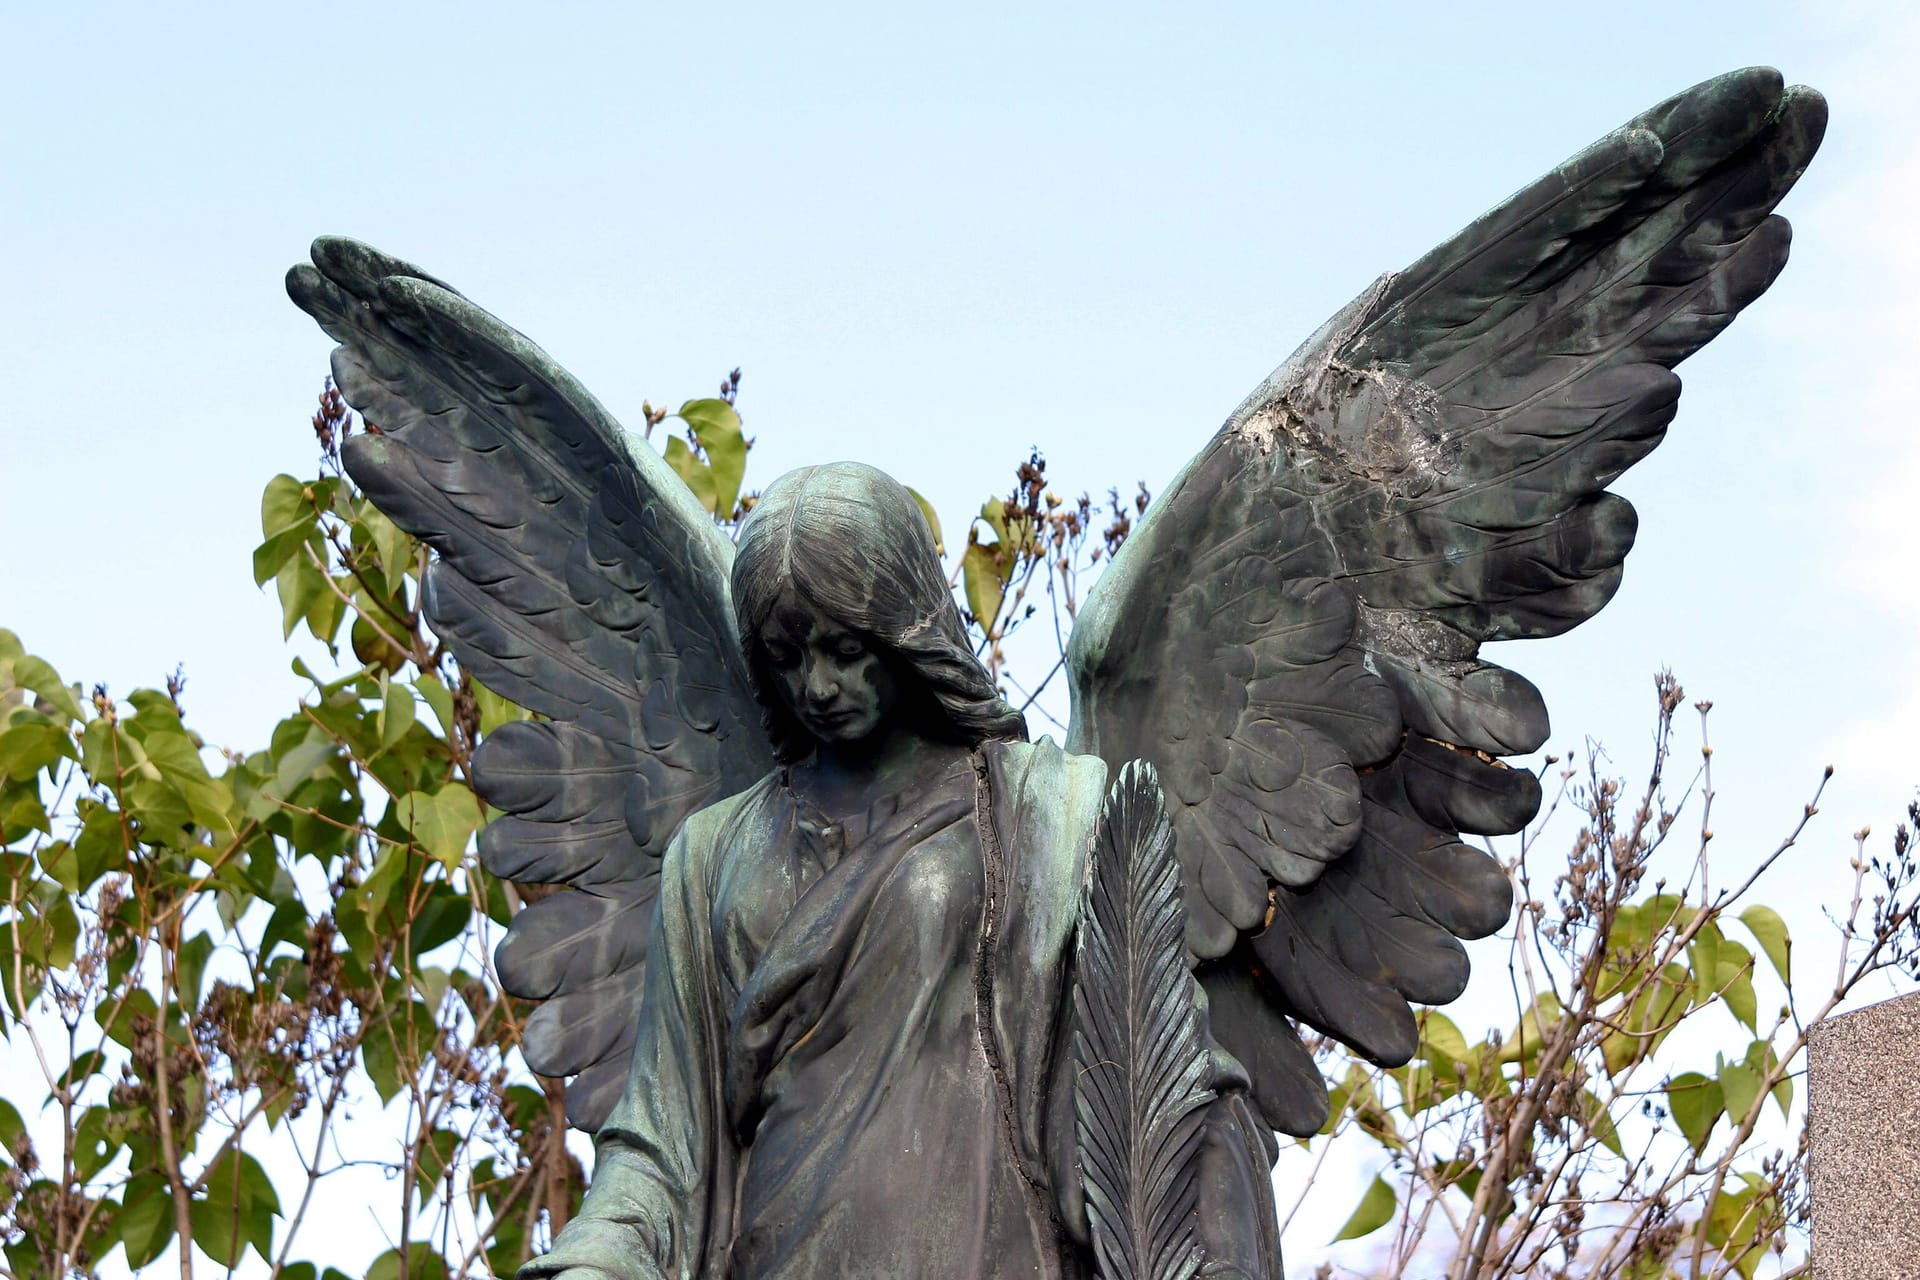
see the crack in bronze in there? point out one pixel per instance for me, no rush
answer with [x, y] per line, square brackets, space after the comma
[1040, 1199]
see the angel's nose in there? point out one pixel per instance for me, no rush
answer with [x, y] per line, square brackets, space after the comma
[823, 682]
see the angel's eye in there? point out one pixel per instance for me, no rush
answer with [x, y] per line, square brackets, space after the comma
[847, 648]
[782, 655]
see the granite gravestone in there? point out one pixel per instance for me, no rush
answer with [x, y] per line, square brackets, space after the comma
[1863, 1123]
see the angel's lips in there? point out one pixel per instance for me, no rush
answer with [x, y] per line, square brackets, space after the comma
[834, 720]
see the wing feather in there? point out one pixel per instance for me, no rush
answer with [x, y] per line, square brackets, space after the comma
[577, 577]
[1292, 633]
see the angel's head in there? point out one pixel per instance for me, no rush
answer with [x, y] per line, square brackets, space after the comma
[847, 618]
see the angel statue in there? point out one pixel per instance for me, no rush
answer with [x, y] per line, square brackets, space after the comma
[853, 979]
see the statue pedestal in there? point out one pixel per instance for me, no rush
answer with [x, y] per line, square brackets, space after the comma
[1863, 1117]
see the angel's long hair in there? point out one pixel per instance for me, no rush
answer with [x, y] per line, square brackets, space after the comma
[853, 542]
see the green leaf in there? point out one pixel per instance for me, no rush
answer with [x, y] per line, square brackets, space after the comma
[1594, 1115]
[217, 1229]
[1369, 1112]
[21, 811]
[376, 891]
[717, 427]
[1737, 1229]
[1419, 1089]
[1375, 1210]
[33, 743]
[100, 846]
[176, 755]
[1439, 1035]
[1703, 957]
[1741, 1000]
[61, 933]
[439, 697]
[396, 713]
[116, 1018]
[19, 984]
[146, 1218]
[494, 709]
[300, 583]
[509, 1244]
[422, 1264]
[12, 1129]
[370, 644]
[237, 1210]
[108, 754]
[932, 518]
[95, 1142]
[980, 572]
[191, 966]
[161, 811]
[284, 504]
[440, 821]
[390, 543]
[1740, 1087]
[288, 521]
[1637, 928]
[439, 1153]
[380, 1055]
[994, 512]
[1450, 1065]
[83, 1064]
[1723, 967]
[1646, 1267]
[273, 555]
[21, 670]
[303, 753]
[410, 1028]
[325, 614]
[61, 864]
[1695, 1103]
[1770, 931]
[1525, 1041]
[1654, 1013]
[1761, 1057]
[697, 474]
[288, 924]
[442, 918]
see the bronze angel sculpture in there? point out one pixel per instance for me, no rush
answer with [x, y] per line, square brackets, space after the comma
[827, 974]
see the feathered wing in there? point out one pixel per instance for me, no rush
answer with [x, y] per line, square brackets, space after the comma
[580, 579]
[1292, 634]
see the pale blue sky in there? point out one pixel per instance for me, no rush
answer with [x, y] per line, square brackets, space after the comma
[932, 239]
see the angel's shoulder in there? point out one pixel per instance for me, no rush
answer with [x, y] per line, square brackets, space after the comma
[1044, 763]
[709, 829]
[1049, 788]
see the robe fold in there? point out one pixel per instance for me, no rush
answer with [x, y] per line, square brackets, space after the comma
[851, 1058]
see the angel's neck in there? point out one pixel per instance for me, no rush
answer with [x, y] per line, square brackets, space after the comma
[843, 777]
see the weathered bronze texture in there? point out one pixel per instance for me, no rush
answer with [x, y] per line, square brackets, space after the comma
[828, 978]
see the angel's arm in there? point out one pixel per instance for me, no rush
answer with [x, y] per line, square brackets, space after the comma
[665, 1149]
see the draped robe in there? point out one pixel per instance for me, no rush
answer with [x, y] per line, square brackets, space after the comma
[850, 1053]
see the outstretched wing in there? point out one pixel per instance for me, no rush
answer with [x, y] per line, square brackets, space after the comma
[580, 579]
[1292, 634]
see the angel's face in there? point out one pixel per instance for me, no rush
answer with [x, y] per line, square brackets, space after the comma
[838, 688]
